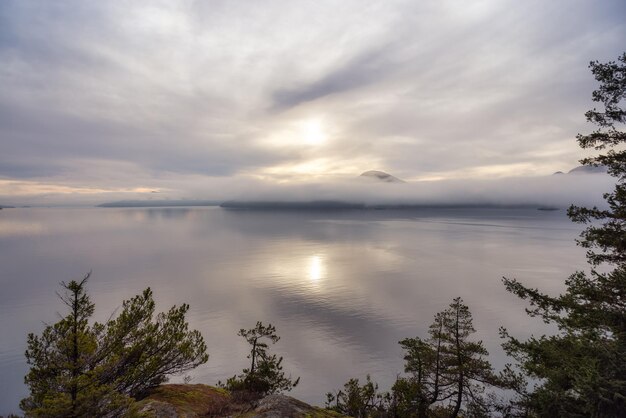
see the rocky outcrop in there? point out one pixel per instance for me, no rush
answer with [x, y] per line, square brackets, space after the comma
[281, 406]
[184, 401]
[193, 401]
[159, 409]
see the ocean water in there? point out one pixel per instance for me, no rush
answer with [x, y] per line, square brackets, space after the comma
[341, 287]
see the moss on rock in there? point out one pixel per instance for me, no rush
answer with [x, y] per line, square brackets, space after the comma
[192, 401]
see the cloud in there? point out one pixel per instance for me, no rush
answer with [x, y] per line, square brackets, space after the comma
[359, 71]
[189, 91]
[557, 191]
[553, 191]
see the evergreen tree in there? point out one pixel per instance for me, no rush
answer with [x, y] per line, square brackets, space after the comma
[448, 371]
[581, 371]
[265, 374]
[447, 376]
[137, 351]
[424, 361]
[82, 370]
[360, 401]
[61, 379]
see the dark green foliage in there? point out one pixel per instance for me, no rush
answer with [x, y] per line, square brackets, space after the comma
[448, 370]
[78, 370]
[62, 379]
[359, 401]
[583, 367]
[581, 371]
[607, 242]
[265, 375]
[447, 375]
[137, 351]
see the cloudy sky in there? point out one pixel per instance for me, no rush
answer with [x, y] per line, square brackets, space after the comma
[184, 98]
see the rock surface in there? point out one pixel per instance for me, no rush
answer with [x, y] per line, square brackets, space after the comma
[184, 401]
[159, 409]
[281, 406]
[192, 401]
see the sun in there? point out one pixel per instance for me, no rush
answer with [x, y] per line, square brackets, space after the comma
[312, 132]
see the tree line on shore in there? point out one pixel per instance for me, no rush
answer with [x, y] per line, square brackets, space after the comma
[83, 369]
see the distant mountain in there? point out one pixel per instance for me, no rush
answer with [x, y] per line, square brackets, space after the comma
[381, 176]
[588, 169]
[585, 169]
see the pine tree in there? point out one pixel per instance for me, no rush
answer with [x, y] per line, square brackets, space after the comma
[449, 369]
[265, 374]
[581, 371]
[359, 401]
[138, 350]
[448, 375]
[62, 379]
[83, 370]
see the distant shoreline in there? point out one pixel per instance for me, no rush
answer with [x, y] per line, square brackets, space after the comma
[316, 205]
[157, 203]
[339, 205]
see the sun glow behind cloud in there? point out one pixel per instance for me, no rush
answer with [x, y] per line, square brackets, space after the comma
[319, 168]
[313, 133]
[118, 97]
[306, 134]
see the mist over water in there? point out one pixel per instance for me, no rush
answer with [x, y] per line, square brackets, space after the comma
[342, 287]
[553, 190]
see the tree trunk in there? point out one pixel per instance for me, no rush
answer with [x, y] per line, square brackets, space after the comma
[433, 399]
[74, 385]
[459, 359]
[253, 365]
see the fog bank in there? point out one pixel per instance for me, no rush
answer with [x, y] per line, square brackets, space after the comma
[551, 191]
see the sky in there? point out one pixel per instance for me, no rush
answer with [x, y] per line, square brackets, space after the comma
[102, 100]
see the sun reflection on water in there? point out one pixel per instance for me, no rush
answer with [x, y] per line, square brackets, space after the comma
[316, 270]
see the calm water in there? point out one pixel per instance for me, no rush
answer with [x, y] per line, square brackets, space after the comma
[341, 287]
